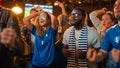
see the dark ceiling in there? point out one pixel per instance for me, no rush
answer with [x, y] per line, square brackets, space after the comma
[88, 5]
[75, 2]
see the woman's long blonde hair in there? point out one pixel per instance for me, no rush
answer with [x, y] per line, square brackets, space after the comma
[39, 28]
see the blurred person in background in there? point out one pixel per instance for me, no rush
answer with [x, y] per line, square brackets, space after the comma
[11, 43]
[61, 60]
[28, 38]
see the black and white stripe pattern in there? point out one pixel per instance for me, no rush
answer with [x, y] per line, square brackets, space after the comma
[82, 45]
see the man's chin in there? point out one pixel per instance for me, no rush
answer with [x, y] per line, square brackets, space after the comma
[72, 24]
[118, 17]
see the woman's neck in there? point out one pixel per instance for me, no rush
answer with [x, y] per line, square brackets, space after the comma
[46, 27]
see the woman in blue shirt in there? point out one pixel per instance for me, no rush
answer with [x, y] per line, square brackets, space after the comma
[45, 34]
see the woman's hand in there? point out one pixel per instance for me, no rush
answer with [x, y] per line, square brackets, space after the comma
[60, 4]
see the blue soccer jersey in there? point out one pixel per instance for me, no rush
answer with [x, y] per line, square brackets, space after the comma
[112, 39]
[44, 52]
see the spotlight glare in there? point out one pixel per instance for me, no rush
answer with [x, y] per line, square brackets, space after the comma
[17, 10]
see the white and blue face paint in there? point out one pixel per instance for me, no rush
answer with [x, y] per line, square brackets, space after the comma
[117, 39]
[74, 13]
[117, 42]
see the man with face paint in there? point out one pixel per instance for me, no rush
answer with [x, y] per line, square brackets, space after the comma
[77, 39]
[111, 41]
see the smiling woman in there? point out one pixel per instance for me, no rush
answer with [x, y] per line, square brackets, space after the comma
[44, 52]
[44, 22]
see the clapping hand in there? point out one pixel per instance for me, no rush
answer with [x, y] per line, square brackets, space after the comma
[79, 54]
[7, 38]
[116, 54]
[91, 54]
[66, 51]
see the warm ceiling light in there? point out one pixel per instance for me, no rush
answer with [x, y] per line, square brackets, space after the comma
[79, 2]
[17, 10]
[55, 4]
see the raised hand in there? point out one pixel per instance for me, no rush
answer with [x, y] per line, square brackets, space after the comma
[60, 4]
[104, 10]
[38, 8]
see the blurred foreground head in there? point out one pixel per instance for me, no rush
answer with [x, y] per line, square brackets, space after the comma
[8, 19]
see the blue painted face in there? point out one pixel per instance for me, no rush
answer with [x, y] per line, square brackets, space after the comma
[76, 18]
[42, 17]
[75, 13]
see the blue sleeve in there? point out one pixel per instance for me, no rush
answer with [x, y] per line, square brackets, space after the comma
[33, 30]
[54, 31]
[106, 44]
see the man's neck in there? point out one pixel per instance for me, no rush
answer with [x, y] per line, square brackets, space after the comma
[79, 27]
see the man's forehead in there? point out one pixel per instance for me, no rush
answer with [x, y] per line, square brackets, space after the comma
[75, 11]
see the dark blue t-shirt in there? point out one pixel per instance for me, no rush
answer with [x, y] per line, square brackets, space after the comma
[44, 52]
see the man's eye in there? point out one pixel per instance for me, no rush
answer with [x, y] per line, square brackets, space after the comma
[74, 14]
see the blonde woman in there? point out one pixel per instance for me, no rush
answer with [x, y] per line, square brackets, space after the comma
[45, 34]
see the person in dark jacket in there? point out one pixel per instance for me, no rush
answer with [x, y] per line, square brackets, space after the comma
[10, 38]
